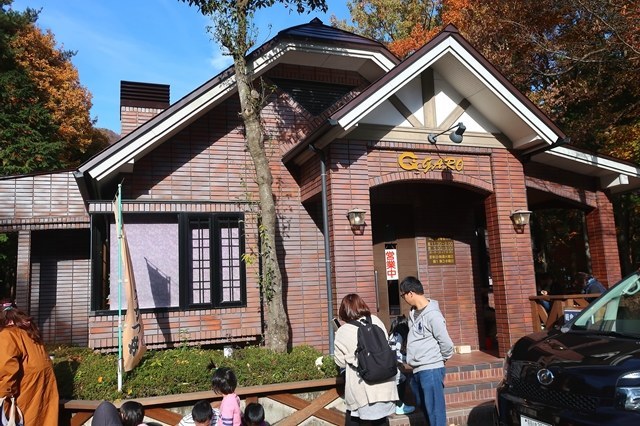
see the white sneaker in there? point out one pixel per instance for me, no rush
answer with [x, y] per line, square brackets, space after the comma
[405, 409]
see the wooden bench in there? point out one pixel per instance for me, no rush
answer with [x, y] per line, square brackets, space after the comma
[157, 407]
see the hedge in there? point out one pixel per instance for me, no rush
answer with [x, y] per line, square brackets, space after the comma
[84, 374]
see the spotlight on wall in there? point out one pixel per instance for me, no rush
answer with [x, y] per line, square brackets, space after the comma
[520, 219]
[456, 137]
[356, 220]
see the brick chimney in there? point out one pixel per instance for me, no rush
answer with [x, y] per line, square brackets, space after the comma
[140, 102]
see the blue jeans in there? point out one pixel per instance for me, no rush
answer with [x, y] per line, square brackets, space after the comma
[428, 390]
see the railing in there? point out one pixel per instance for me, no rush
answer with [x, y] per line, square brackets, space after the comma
[78, 412]
[543, 320]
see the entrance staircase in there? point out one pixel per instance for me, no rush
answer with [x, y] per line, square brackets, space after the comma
[470, 387]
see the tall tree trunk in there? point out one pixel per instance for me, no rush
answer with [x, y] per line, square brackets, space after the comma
[277, 330]
[232, 29]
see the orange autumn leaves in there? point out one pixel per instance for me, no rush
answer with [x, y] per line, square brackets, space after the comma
[58, 85]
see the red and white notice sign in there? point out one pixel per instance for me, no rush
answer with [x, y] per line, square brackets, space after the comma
[391, 263]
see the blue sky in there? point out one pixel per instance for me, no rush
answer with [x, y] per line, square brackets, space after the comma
[152, 41]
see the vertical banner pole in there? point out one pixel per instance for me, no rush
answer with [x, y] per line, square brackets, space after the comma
[119, 234]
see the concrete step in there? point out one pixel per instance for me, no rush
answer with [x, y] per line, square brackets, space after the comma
[465, 391]
[476, 413]
[484, 370]
[470, 388]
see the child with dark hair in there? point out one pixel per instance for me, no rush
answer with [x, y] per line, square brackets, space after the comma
[398, 342]
[254, 415]
[224, 382]
[202, 414]
[132, 413]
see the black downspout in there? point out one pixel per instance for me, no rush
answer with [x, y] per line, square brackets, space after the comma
[327, 258]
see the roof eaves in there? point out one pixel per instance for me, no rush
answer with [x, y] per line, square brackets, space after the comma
[161, 126]
[169, 121]
[596, 160]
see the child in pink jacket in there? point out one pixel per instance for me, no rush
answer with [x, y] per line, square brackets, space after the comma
[224, 382]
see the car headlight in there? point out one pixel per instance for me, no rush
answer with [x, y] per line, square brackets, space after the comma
[628, 391]
[628, 398]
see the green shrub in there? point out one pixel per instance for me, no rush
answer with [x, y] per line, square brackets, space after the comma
[83, 374]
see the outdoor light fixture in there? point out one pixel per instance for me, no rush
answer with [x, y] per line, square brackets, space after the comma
[356, 220]
[456, 137]
[520, 219]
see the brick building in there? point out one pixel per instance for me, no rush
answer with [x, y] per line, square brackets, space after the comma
[350, 127]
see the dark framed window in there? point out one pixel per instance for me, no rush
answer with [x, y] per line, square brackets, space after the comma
[180, 261]
[212, 273]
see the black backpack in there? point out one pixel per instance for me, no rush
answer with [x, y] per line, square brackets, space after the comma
[377, 362]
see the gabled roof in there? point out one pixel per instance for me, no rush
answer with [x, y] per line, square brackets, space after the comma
[489, 92]
[316, 30]
[468, 72]
[312, 44]
[315, 44]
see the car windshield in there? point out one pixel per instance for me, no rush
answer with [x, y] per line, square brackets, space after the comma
[617, 311]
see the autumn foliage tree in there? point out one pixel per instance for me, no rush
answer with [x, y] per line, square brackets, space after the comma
[44, 110]
[393, 22]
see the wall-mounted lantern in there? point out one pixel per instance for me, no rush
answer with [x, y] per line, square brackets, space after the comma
[520, 219]
[356, 220]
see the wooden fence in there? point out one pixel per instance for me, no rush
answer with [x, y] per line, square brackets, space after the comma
[78, 412]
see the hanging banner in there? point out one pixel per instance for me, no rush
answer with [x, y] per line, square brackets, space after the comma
[133, 329]
[391, 263]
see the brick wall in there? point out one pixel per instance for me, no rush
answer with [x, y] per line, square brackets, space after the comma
[348, 187]
[510, 252]
[207, 163]
[603, 244]
[49, 198]
[133, 117]
[59, 296]
[440, 204]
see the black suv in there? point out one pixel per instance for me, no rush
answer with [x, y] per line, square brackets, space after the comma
[586, 372]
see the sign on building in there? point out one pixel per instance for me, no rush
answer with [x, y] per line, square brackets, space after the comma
[391, 263]
[440, 251]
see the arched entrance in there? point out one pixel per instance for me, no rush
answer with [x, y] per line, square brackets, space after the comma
[436, 231]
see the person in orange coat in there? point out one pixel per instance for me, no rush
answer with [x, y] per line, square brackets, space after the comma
[26, 371]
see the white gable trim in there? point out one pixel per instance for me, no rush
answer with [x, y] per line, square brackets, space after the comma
[452, 46]
[161, 131]
[612, 181]
[162, 128]
[265, 61]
